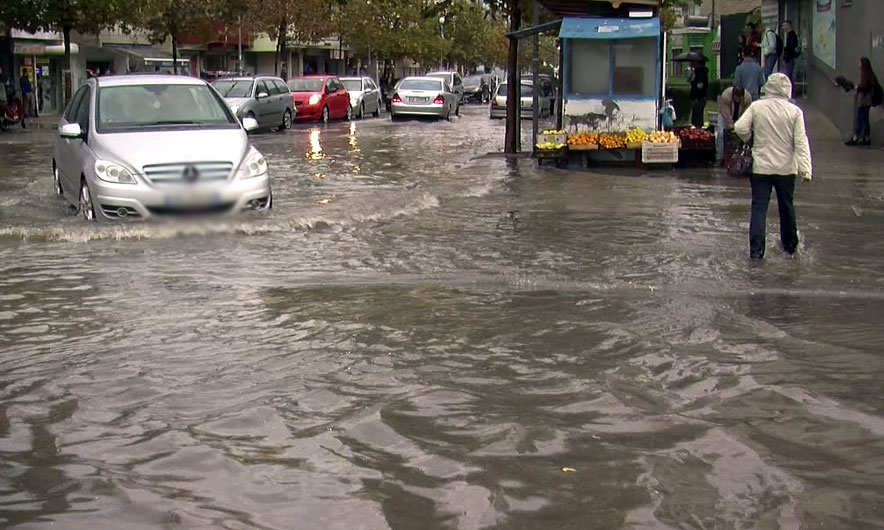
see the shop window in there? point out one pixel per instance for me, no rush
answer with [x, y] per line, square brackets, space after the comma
[591, 77]
[676, 68]
[634, 67]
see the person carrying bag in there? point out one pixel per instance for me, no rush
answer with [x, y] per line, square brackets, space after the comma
[780, 154]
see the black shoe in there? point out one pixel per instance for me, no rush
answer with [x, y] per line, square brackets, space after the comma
[864, 142]
[852, 141]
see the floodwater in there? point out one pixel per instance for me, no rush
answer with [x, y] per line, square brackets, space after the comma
[422, 337]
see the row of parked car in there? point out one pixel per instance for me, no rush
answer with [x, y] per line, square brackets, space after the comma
[274, 103]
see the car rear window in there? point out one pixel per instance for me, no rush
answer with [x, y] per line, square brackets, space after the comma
[527, 90]
[233, 88]
[420, 84]
[146, 106]
[305, 85]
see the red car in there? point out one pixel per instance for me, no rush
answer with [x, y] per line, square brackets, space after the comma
[320, 97]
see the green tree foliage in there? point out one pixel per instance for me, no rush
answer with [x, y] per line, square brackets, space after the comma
[83, 16]
[292, 20]
[169, 19]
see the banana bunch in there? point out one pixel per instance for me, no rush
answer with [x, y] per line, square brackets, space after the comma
[636, 136]
[662, 137]
[548, 146]
[612, 141]
[554, 131]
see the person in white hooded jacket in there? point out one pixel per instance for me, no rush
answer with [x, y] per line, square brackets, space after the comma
[780, 153]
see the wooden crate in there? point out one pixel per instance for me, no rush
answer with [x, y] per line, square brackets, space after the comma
[659, 153]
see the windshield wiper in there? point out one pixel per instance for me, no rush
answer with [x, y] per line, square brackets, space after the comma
[172, 122]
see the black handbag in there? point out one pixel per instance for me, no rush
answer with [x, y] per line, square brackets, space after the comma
[741, 164]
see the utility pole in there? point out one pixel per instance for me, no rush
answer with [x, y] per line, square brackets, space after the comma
[239, 48]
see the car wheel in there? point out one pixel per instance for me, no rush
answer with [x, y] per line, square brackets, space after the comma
[56, 181]
[448, 114]
[361, 111]
[87, 208]
[287, 119]
[377, 111]
[349, 115]
[324, 118]
[457, 110]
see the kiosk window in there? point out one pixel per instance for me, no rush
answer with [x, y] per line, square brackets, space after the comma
[590, 66]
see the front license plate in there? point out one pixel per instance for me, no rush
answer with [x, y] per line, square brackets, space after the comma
[190, 198]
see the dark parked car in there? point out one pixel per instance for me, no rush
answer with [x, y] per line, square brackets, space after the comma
[478, 88]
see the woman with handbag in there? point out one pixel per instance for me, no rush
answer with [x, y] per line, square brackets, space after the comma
[780, 154]
[867, 94]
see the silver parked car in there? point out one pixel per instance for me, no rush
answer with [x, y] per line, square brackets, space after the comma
[454, 80]
[365, 96]
[144, 145]
[264, 98]
[498, 103]
[423, 96]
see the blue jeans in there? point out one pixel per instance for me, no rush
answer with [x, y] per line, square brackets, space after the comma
[861, 128]
[788, 67]
[769, 62]
[784, 185]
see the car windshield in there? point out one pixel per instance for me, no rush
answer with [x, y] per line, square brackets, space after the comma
[305, 85]
[233, 88]
[527, 90]
[352, 85]
[472, 80]
[140, 106]
[420, 84]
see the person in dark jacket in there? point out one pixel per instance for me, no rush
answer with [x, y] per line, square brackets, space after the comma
[862, 103]
[699, 79]
[790, 51]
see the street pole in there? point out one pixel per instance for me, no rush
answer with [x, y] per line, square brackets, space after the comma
[239, 48]
[442, 33]
[535, 76]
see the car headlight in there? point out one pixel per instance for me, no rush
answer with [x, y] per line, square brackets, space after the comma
[234, 109]
[110, 172]
[253, 165]
[314, 99]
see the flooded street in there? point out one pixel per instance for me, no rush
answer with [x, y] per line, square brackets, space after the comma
[419, 336]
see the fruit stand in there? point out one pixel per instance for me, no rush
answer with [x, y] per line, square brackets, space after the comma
[635, 146]
[552, 145]
[697, 146]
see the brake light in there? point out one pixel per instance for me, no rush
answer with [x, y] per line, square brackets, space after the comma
[396, 98]
[439, 100]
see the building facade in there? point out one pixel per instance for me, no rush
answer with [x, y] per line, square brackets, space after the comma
[834, 35]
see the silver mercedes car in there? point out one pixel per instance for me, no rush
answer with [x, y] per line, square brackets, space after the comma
[137, 146]
[424, 96]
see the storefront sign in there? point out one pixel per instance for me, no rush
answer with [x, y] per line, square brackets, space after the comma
[824, 31]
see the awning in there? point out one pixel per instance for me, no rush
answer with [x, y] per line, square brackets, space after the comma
[609, 28]
[26, 48]
[149, 54]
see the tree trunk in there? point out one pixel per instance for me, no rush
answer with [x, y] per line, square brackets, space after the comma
[67, 78]
[512, 139]
[281, 44]
[175, 52]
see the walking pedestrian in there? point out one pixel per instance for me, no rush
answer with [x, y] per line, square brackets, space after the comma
[771, 49]
[741, 48]
[791, 51]
[749, 76]
[753, 41]
[27, 96]
[866, 95]
[699, 79]
[732, 103]
[780, 153]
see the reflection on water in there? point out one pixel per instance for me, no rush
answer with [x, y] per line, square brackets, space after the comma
[315, 152]
[354, 146]
[446, 342]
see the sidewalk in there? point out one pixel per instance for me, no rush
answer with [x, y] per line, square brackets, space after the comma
[834, 160]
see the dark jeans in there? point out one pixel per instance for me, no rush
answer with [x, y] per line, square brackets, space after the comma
[785, 188]
[698, 108]
[861, 127]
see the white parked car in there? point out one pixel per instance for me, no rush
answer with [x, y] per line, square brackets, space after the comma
[365, 96]
[144, 145]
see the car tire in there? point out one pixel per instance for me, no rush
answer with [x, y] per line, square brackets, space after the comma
[56, 181]
[361, 111]
[457, 110]
[287, 119]
[377, 112]
[448, 114]
[324, 116]
[349, 115]
[86, 207]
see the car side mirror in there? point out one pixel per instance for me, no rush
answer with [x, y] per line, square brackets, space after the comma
[249, 124]
[71, 131]
[262, 95]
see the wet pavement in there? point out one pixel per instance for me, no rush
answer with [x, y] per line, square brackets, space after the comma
[419, 336]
